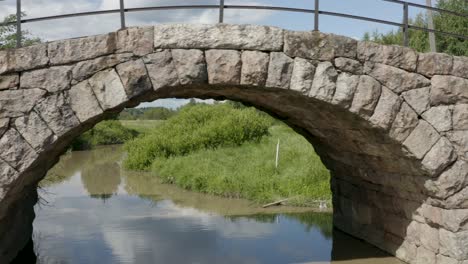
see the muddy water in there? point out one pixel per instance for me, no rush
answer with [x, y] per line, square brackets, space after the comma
[92, 211]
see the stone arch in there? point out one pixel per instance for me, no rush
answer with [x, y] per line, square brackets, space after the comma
[389, 123]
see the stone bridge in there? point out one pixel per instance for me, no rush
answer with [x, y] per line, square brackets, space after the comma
[389, 123]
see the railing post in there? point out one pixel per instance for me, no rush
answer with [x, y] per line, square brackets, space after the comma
[122, 14]
[405, 25]
[221, 11]
[316, 15]
[18, 24]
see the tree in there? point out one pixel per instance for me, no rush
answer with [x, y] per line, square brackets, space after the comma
[8, 34]
[419, 40]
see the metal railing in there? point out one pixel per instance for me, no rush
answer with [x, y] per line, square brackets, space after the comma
[405, 26]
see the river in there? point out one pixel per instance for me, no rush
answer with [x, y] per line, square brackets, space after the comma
[93, 211]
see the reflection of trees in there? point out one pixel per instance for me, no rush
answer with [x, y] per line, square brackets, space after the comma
[73, 162]
[101, 180]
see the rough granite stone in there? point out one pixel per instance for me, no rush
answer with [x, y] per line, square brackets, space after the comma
[108, 89]
[79, 49]
[450, 181]
[430, 64]
[134, 77]
[302, 75]
[9, 81]
[454, 244]
[308, 45]
[346, 86]
[418, 99]
[397, 56]
[429, 237]
[254, 68]
[138, 40]
[421, 140]
[439, 157]
[4, 122]
[27, 58]
[224, 66]
[448, 90]
[425, 256]
[280, 70]
[15, 103]
[459, 139]
[349, 65]
[57, 113]
[366, 96]
[396, 79]
[386, 109]
[218, 36]
[7, 174]
[460, 117]
[161, 69]
[35, 131]
[53, 79]
[440, 117]
[85, 69]
[324, 84]
[460, 67]
[190, 65]
[83, 102]
[16, 151]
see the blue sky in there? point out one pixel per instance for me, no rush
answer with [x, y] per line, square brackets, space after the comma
[82, 26]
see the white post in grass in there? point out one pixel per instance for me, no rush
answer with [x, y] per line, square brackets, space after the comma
[277, 154]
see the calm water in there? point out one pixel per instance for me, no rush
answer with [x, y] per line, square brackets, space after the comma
[92, 211]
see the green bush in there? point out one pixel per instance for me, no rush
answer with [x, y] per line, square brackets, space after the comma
[197, 127]
[105, 133]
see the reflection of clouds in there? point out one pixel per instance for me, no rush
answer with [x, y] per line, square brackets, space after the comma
[90, 25]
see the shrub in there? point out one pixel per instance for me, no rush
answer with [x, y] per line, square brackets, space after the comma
[105, 133]
[197, 127]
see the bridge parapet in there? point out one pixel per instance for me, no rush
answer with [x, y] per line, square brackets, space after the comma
[390, 123]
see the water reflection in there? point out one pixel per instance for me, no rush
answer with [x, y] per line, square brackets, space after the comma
[144, 221]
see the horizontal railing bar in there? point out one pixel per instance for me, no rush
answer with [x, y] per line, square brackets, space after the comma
[361, 18]
[273, 8]
[428, 7]
[439, 32]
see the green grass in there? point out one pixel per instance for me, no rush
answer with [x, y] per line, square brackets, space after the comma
[248, 171]
[142, 126]
[108, 132]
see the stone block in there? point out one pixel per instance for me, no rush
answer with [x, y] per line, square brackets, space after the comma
[454, 244]
[440, 117]
[451, 181]
[460, 67]
[57, 113]
[280, 70]
[4, 123]
[8, 81]
[16, 103]
[190, 66]
[349, 65]
[16, 151]
[85, 69]
[421, 140]
[35, 131]
[418, 99]
[134, 77]
[449, 90]
[394, 78]
[302, 75]
[80, 49]
[430, 64]
[138, 40]
[439, 157]
[83, 102]
[386, 110]
[218, 36]
[254, 68]
[27, 58]
[308, 45]
[460, 117]
[425, 256]
[324, 84]
[224, 66]
[161, 69]
[108, 89]
[346, 86]
[397, 56]
[429, 237]
[7, 175]
[366, 96]
[459, 140]
[52, 79]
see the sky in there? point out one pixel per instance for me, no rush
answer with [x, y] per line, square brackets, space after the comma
[91, 25]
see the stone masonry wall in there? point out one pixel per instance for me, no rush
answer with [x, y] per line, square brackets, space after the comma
[389, 123]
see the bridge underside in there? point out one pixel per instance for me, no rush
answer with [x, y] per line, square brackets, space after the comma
[390, 124]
